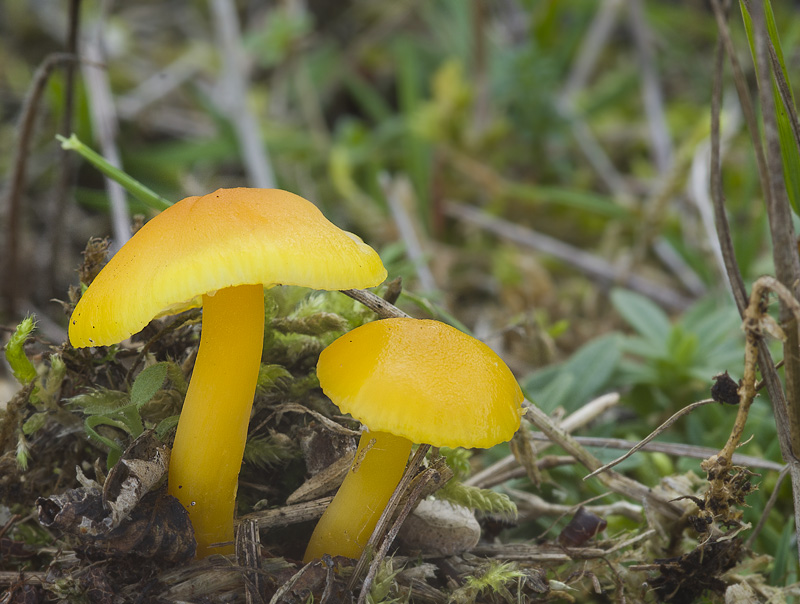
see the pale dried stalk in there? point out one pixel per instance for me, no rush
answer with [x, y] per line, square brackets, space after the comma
[753, 325]
[533, 506]
[662, 428]
[615, 482]
[784, 246]
[586, 414]
[675, 449]
[11, 283]
[787, 433]
[382, 308]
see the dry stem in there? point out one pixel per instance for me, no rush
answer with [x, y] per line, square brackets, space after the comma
[663, 427]
[754, 321]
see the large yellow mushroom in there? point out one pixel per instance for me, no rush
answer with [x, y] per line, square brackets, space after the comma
[409, 381]
[219, 250]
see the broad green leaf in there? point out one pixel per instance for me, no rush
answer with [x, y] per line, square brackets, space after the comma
[592, 367]
[165, 425]
[550, 388]
[147, 383]
[100, 401]
[643, 315]
[682, 346]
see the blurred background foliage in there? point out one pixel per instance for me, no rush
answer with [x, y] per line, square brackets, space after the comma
[393, 117]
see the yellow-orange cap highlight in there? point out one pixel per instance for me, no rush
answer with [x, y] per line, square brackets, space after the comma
[202, 244]
[423, 380]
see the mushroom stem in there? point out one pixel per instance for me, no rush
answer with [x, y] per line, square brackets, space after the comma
[347, 524]
[209, 444]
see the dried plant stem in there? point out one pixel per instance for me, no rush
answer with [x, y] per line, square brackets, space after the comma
[416, 492]
[663, 427]
[676, 449]
[754, 319]
[66, 173]
[652, 96]
[533, 506]
[16, 180]
[106, 127]
[616, 482]
[375, 303]
[786, 428]
[578, 419]
[723, 228]
[289, 514]
[399, 195]
[234, 98]
[784, 246]
[371, 547]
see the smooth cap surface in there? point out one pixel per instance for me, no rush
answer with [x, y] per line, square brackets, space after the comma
[423, 380]
[226, 238]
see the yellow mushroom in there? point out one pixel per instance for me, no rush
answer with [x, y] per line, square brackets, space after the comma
[409, 381]
[219, 250]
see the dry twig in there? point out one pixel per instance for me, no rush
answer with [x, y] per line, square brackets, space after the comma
[786, 437]
[616, 482]
[16, 180]
[662, 428]
[589, 264]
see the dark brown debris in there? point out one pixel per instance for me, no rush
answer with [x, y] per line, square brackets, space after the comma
[684, 579]
[158, 527]
[583, 526]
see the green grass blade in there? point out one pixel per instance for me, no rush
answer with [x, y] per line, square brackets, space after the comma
[790, 150]
[144, 194]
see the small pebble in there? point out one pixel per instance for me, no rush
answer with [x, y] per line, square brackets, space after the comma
[440, 527]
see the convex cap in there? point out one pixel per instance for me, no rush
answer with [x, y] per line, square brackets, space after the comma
[226, 238]
[423, 380]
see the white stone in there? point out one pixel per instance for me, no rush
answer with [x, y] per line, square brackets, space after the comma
[440, 527]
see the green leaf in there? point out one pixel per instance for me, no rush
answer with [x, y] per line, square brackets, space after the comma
[147, 383]
[21, 366]
[592, 367]
[574, 382]
[549, 387]
[100, 401]
[114, 448]
[643, 315]
[682, 346]
[165, 425]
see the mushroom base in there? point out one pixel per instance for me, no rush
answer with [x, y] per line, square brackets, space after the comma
[347, 524]
[209, 444]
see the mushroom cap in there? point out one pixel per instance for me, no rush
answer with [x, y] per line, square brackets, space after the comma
[226, 238]
[423, 380]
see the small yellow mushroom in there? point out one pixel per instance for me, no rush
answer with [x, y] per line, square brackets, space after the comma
[409, 381]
